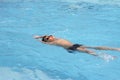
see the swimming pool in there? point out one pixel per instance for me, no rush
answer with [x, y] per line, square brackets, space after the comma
[88, 22]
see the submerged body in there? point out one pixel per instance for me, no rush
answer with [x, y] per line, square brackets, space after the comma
[70, 46]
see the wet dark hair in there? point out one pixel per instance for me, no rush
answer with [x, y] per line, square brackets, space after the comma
[44, 39]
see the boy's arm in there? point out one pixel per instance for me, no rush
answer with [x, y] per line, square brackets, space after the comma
[37, 37]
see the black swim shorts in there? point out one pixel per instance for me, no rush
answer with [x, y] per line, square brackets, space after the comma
[74, 47]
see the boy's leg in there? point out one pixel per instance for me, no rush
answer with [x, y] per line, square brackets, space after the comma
[86, 51]
[103, 48]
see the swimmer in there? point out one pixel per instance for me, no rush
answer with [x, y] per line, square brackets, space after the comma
[69, 46]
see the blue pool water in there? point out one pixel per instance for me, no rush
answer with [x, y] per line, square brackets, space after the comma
[88, 22]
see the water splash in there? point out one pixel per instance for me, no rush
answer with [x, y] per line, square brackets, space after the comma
[106, 57]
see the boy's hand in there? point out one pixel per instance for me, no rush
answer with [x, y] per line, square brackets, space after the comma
[37, 37]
